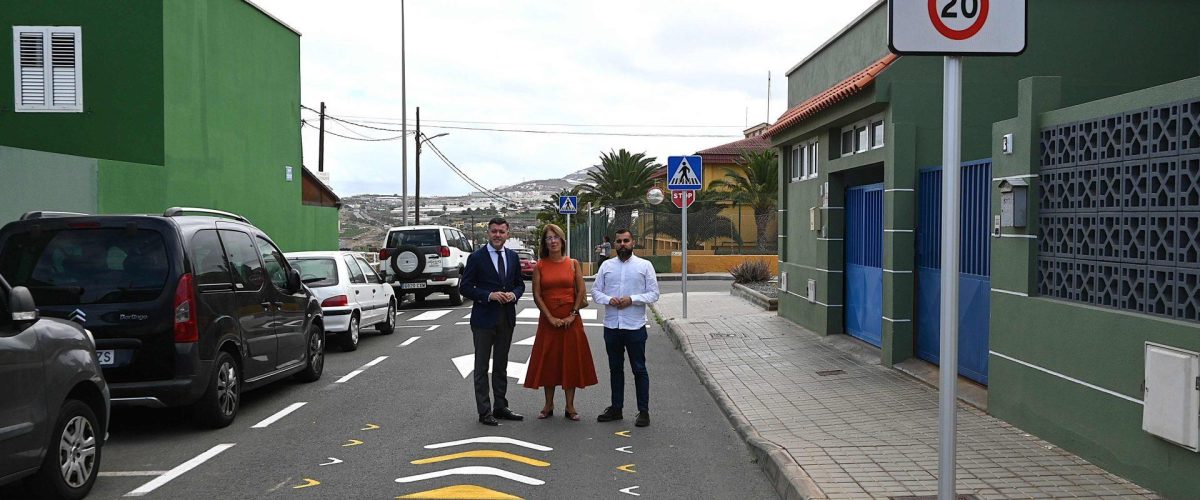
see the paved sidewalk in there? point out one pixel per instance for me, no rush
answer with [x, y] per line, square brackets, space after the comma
[826, 421]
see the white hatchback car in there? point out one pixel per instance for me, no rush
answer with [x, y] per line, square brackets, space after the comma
[352, 295]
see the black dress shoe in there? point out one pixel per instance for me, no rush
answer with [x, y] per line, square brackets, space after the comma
[610, 414]
[488, 420]
[643, 419]
[507, 414]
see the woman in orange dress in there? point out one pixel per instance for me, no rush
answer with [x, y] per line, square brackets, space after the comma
[561, 355]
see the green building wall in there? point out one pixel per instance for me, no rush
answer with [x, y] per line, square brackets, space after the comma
[1099, 346]
[198, 106]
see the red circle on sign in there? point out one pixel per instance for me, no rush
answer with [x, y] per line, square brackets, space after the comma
[954, 34]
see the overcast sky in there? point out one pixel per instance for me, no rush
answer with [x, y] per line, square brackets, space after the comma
[649, 66]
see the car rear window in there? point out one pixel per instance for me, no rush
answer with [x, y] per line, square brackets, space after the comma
[316, 272]
[415, 237]
[87, 266]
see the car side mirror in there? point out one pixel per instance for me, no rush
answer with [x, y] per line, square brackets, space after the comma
[293, 280]
[20, 302]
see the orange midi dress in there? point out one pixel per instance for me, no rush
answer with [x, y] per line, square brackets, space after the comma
[561, 356]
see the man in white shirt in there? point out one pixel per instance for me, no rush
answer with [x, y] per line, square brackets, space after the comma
[625, 285]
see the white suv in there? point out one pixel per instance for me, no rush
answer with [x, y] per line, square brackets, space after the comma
[424, 259]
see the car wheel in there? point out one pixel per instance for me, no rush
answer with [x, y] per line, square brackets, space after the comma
[455, 297]
[73, 457]
[408, 262]
[316, 355]
[349, 340]
[389, 325]
[219, 404]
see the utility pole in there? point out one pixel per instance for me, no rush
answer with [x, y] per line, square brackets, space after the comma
[417, 197]
[403, 129]
[321, 142]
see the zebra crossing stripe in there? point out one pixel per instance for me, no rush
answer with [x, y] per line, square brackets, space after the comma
[430, 315]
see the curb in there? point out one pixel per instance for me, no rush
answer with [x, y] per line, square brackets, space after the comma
[676, 277]
[754, 297]
[788, 478]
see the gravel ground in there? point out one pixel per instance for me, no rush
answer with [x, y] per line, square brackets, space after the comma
[768, 288]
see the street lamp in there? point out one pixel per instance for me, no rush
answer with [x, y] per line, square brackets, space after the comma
[417, 198]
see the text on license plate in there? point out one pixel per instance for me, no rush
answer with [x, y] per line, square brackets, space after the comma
[412, 285]
[106, 357]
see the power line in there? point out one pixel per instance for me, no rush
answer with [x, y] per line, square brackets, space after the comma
[305, 123]
[468, 178]
[382, 120]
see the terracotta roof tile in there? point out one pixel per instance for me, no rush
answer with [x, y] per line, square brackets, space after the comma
[840, 91]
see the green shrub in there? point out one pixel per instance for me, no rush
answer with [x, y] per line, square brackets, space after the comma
[751, 271]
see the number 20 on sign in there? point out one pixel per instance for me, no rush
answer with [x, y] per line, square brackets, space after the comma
[957, 27]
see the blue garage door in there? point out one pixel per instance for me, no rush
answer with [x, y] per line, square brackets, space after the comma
[974, 282]
[864, 263]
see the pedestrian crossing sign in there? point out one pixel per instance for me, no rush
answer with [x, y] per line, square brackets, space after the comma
[684, 173]
[568, 204]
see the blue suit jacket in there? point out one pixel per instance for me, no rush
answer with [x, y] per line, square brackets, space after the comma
[480, 279]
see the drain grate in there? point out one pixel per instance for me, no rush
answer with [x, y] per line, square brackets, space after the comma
[723, 335]
[826, 373]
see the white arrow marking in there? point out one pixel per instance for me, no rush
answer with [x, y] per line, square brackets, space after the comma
[473, 471]
[466, 364]
[624, 449]
[331, 462]
[409, 342]
[629, 491]
[490, 440]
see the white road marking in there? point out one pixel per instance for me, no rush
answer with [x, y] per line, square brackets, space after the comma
[468, 316]
[430, 315]
[529, 323]
[282, 413]
[179, 471]
[529, 313]
[132, 473]
[624, 449]
[408, 342]
[432, 328]
[473, 471]
[629, 491]
[360, 370]
[490, 440]
[528, 341]
[332, 461]
[466, 364]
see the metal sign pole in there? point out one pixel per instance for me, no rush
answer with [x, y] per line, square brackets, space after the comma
[947, 415]
[683, 246]
[568, 247]
[589, 251]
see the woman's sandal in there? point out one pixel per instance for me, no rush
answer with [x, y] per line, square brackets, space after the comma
[545, 414]
[571, 416]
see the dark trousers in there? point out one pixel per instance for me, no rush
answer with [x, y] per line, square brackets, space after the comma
[617, 342]
[491, 343]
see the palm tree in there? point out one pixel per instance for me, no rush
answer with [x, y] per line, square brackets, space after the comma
[704, 221]
[620, 184]
[758, 188]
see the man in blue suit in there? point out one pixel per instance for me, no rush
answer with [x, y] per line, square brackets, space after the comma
[492, 280]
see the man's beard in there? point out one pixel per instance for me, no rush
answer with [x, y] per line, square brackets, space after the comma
[624, 253]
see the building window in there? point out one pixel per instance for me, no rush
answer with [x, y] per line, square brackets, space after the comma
[862, 136]
[812, 159]
[795, 163]
[47, 69]
[803, 161]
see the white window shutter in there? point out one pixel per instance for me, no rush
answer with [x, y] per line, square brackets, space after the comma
[48, 73]
[31, 69]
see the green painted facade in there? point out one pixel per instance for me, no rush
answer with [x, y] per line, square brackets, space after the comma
[198, 106]
[1092, 50]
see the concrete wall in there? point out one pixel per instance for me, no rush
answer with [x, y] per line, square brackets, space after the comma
[1101, 347]
[719, 263]
[35, 180]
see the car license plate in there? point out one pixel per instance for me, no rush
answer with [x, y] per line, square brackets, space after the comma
[107, 357]
[412, 285]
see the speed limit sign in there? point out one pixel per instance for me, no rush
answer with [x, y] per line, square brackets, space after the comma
[957, 27]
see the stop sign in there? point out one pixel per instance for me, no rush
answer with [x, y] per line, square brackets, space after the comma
[683, 198]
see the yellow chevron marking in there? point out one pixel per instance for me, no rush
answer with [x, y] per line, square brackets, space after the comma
[627, 468]
[369, 427]
[483, 454]
[352, 442]
[465, 491]
[307, 483]
[622, 433]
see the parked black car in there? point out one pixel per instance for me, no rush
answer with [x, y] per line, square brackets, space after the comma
[186, 309]
[53, 400]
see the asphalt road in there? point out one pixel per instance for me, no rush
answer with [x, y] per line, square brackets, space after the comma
[403, 424]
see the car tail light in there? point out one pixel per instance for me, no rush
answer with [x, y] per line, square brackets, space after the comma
[186, 328]
[335, 301]
[438, 278]
[383, 254]
[83, 225]
[444, 251]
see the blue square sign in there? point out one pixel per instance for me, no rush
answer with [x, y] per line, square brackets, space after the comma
[568, 204]
[684, 172]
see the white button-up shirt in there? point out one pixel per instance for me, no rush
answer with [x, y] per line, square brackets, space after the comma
[635, 278]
